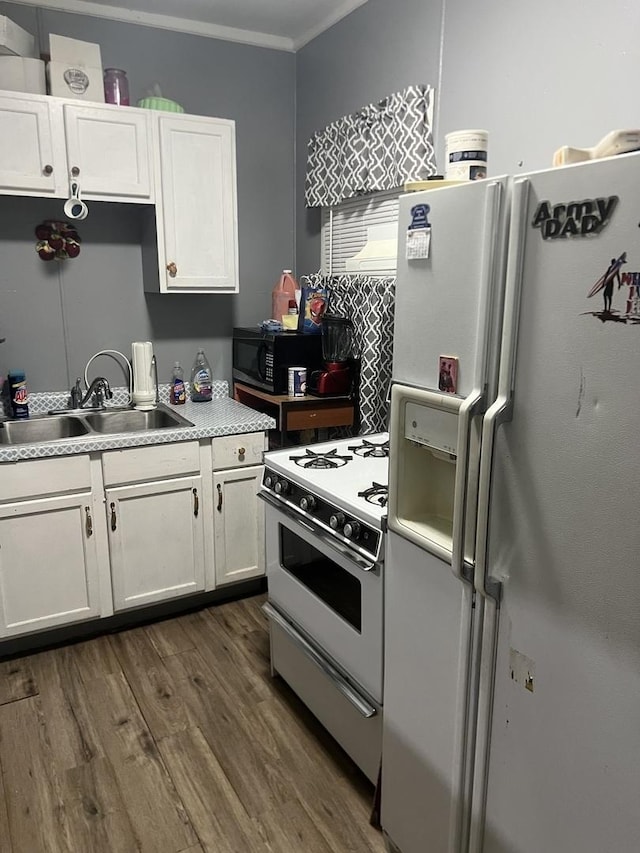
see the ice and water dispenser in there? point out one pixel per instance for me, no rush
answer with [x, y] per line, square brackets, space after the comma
[423, 471]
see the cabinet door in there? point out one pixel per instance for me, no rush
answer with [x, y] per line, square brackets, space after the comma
[26, 147]
[238, 525]
[48, 564]
[197, 228]
[156, 541]
[110, 148]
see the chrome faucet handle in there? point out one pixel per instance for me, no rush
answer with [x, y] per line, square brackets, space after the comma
[76, 395]
[154, 366]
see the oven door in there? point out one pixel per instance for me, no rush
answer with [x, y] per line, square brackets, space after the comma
[334, 596]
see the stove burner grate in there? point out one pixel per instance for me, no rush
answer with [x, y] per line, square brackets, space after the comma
[371, 449]
[329, 459]
[376, 494]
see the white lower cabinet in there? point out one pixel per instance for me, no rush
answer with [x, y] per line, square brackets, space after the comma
[49, 568]
[83, 536]
[238, 525]
[156, 541]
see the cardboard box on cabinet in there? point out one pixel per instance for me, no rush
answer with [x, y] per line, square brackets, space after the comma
[75, 70]
[14, 41]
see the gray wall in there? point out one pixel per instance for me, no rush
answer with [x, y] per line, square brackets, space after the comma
[55, 316]
[378, 49]
[536, 76]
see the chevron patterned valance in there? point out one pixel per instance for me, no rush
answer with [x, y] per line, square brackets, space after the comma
[378, 148]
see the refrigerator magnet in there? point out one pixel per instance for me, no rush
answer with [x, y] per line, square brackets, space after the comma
[419, 233]
[448, 374]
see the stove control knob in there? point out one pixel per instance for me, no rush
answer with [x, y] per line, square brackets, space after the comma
[352, 530]
[269, 481]
[282, 487]
[336, 521]
[307, 503]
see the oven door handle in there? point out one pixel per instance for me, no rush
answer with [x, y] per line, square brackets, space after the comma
[340, 682]
[365, 565]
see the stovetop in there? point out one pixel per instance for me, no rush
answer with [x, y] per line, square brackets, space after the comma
[340, 486]
[339, 472]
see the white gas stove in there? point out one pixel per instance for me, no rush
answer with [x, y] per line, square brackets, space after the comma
[325, 506]
[340, 485]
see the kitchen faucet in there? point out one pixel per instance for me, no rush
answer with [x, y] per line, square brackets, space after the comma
[100, 390]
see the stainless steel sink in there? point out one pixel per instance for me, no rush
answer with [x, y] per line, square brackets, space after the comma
[38, 429]
[132, 420]
[35, 430]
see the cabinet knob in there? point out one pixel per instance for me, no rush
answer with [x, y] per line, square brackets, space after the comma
[48, 169]
[172, 269]
[241, 453]
[75, 171]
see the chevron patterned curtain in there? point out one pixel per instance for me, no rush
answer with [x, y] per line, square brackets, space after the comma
[378, 148]
[369, 302]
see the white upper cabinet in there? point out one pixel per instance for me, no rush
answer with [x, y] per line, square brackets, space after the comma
[42, 139]
[182, 166]
[26, 147]
[196, 209]
[109, 146]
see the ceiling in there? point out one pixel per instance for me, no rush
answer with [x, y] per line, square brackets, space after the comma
[280, 24]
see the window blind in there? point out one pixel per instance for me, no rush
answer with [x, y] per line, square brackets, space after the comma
[360, 235]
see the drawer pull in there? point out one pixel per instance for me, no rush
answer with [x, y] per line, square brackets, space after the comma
[113, 515]
[172, 269]
[241, 453]
[88, 521]
[219, 498]
[196, 503]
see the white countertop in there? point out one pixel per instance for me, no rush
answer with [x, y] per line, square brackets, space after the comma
[222, 416]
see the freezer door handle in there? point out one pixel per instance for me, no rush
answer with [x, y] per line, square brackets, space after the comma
[501, 409]
[339, 681]
[472, 405]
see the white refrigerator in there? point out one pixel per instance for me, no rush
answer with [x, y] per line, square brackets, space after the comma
[512, 578]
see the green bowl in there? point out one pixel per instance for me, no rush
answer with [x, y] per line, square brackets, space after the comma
[160, 104]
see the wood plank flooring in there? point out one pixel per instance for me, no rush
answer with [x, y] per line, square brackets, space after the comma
[172, 738]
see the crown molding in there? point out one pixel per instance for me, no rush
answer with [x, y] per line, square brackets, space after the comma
[169, 22]
[345, 9]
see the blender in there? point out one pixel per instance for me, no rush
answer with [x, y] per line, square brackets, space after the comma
[337, 349]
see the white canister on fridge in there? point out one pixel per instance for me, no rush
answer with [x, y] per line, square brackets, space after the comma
[466, 155]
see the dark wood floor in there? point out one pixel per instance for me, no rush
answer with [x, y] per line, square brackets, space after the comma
[171, 738]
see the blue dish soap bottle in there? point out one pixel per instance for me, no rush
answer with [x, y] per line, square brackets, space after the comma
[178, 394]
[201, 379]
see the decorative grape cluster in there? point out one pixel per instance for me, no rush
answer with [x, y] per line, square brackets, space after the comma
[57, 240]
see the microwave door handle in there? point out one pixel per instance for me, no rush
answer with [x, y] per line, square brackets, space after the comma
[262, 361]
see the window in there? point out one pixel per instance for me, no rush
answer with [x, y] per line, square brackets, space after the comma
[360, 235]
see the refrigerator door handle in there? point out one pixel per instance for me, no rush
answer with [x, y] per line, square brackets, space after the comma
[501, 409]
[472, 405]
[475, 403]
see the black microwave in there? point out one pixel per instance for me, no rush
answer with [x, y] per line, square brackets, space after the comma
[262, 359]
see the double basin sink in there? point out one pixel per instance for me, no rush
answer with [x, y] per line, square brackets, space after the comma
[80, 423]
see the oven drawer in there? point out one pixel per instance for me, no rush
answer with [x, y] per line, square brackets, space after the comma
[352, 718]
